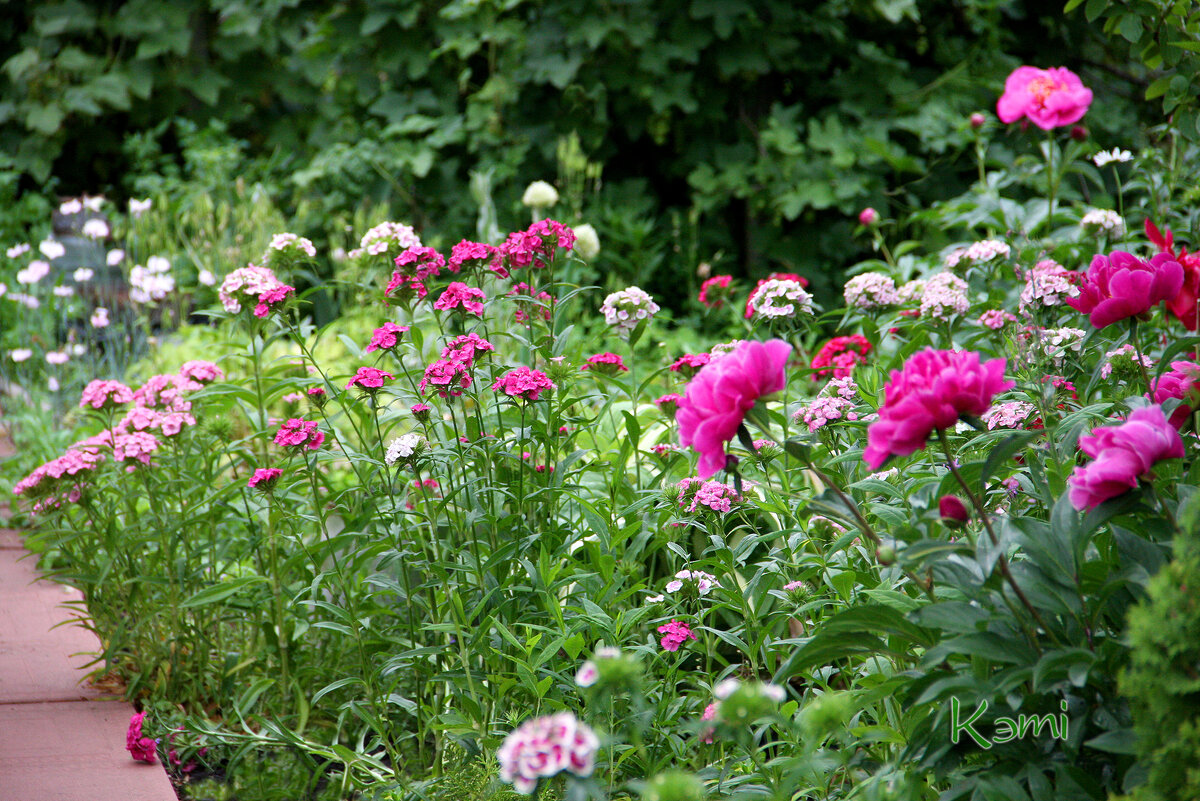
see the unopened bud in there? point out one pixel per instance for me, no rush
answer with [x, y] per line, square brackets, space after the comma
[868, 216]
[977, 120]
[1079, 133]
[885, 555]
[953, 511]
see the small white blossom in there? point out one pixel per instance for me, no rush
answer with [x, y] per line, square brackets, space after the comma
[72, 206]
[52, 249]
[587, 242]
[83, 274]
[781, 298]
[539, 195]
[139, 207]
[402, 447]
[17, 250]
[95, 228]
[1116, 154]
[115, 257]
[20, 354]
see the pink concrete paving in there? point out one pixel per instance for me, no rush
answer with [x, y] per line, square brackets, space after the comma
[59, 741]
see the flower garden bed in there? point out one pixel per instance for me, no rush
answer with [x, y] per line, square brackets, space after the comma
[499, 536]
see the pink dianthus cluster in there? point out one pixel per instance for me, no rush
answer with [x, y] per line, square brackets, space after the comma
[297, 433]
[466, 348]
[460, 296]
[385, 337]
[675, 634]
[524, 383]
[448, 376]
[607, 363]
[103, 394]
[544, 747]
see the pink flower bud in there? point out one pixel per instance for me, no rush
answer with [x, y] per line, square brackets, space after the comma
[868, 216]
[953, 511]
[977, 120]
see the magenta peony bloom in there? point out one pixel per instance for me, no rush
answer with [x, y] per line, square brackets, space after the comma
[933, 390]
[1180, 382]
[1120, 285]
[140, 748]
[1123, 454]
[1048, 98]
[715, 402]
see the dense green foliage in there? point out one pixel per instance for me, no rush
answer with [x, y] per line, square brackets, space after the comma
[755, 129]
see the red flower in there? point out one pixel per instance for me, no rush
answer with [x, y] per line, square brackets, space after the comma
[1183, 304]
[842, 353]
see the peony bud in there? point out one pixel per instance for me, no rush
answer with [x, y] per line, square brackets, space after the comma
[868, 216]
[1079, 133]
[885, 554]
[977, 120]
[953, 511]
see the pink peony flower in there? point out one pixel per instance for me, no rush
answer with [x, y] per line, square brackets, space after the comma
[101, 394]
[717, 399]
[1123, 454]
[1048, 98]
[524, 383]
[297, 433]
[1120, 285]
[1180, 382]
[369, 379]
[675, 634]
[142, 749]
[933, 390]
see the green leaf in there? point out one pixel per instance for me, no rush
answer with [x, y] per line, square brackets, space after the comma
[219, 592]
[45, 119]
[1009, 447]
[1117, 741]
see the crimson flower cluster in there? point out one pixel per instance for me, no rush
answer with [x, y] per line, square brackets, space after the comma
[839, 355]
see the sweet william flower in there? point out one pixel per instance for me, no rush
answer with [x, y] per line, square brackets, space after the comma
[544, 747]
[1048, 98]
[932, 391]
[141, 749]
[1120, 286]
[716, 401]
